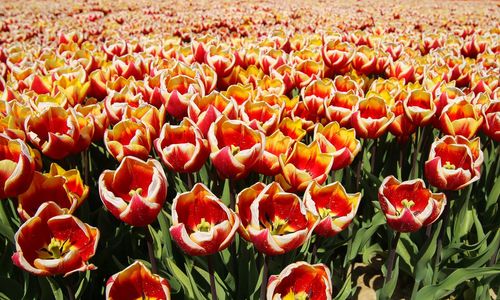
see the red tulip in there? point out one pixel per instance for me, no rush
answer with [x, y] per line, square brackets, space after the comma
[235, 147]
[303, 164]
[54, 131]
[491, 115]
[419, 107]
[408, 205]
[276, 144]
[137, 282]
[460, 118]
[454, 162]
[182, 148]
[301, 280]
[201, 223]
[276, 222]
[371, 117]
[129, 137]
[16, 167]
[340, 141]
[135, 192]
[334, 206]
[54, 243]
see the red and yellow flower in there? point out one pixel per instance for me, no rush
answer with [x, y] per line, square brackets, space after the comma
[276, 144]
[303, 164]
[454, 162]
[129, 137]
[54, 243]
[137, 282]
[135, 192]
[371, 117]
[201, 223]
[408, 205]
[301, 280]
[340, 141]
[334, 206]
[235, 147]
[182, 147]
[491, 115]
[419, 107]
[460, 118]
[17, 167]
[275, 221]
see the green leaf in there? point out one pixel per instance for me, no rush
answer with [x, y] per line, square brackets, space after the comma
[388, 289]
[10, 288]
[364, 235]
[426, 254]
[181, 277]
[448, 285]
[494, 195]
[82, 285]
[346, 290]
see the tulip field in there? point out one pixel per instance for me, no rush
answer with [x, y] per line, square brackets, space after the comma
[249, 150]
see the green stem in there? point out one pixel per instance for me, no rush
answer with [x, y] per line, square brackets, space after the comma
[150, 244]
[69, 289]
[212, 278]
[439, 244]
[265, 271]
[392, 257]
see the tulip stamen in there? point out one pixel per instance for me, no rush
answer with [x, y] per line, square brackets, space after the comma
[132, 193]
[56, 249]
[299, 296]
[449, 166]
[234, 149]
[279, 226]
[204, 226]
[325, 212]
[407, 203]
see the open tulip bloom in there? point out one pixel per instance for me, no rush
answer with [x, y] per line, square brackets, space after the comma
[275, 221]
[54, 243]
[201, 223]
[408, 205]
[137, 282]
[135, 192]
[301, 280]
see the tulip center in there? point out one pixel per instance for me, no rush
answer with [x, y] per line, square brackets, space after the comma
[204, 226]
[132, 193]
[279, 226]
[56, 249]
[234, 149]
[407, 203]
[449, 166]
[325, 212]
[299, 296]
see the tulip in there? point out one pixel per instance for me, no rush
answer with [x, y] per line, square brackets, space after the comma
[334, 206]
[235, 147]
[261, 116]
[460, 118]
[137, 282]
[402, 126]
[221, 60]
[408, 205]
[316, 94]
[129, 137]
[419, 107]
[276, 221]
[135, 192]
[340, 141]
[181, 90]
[54, 243]
[341, 107]
[371, 117]
[337, 55]
[201, 224]
[54, 131]
[292, 128]
[301, 280]
[303, 164]
[182, 148]
[276, 144]
[454, 162]
[491, 115]
[17, 167]
[64, 188]
[205, 110]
